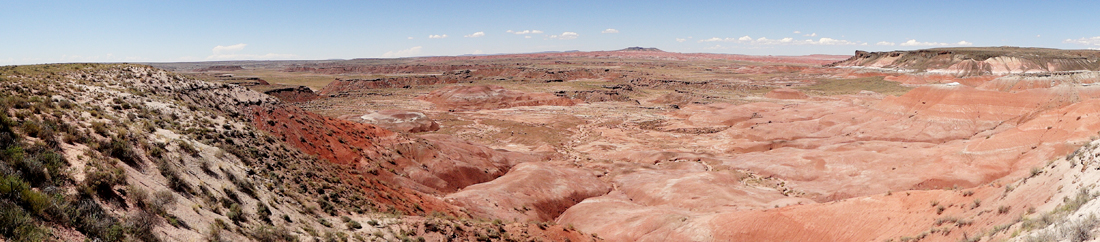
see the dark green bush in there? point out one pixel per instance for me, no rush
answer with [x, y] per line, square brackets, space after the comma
[353, 225]
[175, 181]
[122, 150]
[101, 175]
[272, 234]
[140, 225]
[186, 147]
[17, 225]
[235, 213]
[263, 212]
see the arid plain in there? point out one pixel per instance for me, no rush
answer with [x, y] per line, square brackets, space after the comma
[974, 144]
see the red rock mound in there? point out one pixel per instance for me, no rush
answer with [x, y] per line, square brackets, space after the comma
[786, 93]
[433, 164]
[490, 97]
[531, 191]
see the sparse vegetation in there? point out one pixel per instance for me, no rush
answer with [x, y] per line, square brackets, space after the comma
[852, 86]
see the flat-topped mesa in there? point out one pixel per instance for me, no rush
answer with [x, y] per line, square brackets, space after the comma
[637, 48]
[977, 61]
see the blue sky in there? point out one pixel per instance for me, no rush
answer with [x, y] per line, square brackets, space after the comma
[162, 31]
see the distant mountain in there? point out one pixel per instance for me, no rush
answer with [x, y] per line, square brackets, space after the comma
[636, 48]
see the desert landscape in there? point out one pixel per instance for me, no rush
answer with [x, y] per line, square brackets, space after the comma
[636, 144]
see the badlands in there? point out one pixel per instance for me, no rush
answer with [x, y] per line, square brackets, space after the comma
[949, 144]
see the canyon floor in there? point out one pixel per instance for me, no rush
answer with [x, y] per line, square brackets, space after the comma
[653, 146]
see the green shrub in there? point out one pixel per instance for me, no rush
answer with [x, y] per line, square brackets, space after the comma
[272, 234]
[17, 225]
[175, 181]
[354, 225]
[102, 175]
[235, 214]
[161, 200]
[122, 150]
[140, 225]
[263, 212]
[187, 148]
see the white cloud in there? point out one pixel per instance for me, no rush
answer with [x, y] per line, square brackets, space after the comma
[403, 53]
[783, 41]
[610, 31]
[1084, 41]
[797, 32]
[477, 52]
[886, 43]
[681, 40]
[525, 32]
[810, 35]
[566, 35]
[475, 35]
[436, 36]
[410, 37]
[913, 42]
[527, 37]
[224, 49]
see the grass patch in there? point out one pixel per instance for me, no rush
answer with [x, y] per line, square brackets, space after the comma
[829, 87]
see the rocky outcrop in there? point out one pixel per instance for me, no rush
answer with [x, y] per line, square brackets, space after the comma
[489, 97]
[978, 61]
[594, 95]
[293, 94]
[220, 68]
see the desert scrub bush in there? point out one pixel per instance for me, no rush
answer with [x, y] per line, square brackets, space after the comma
[354, 225]
[17, 225]
[215, 230]
[263, 212]
[101, 175]
[175, 181]
[243, 185]
[272, 234]
[235, 214]
[140, 224]
[122, 150]
[1070, 205]
[42, 167]
[324, 222]
[1035, 171]
[187, 148]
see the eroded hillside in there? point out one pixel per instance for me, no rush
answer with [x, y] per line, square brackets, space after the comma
[128, 152]
[662, 147]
